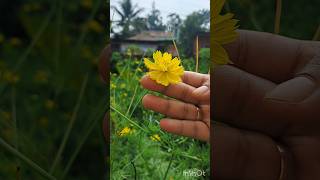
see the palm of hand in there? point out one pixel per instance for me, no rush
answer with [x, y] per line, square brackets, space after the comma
[270, 98]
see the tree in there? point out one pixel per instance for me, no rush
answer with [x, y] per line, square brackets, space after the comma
[195, 23]
[174, 23]
[139, 24]
[154, 20]
[127, 12]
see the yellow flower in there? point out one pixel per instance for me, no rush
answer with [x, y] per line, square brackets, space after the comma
[15, 41]
[223, 32]
[94, 26]
[86, 4]
[43, 121]
[124, 131]
[49, 104]
[113, 86]
[155, 137]
[164, 70]
[41, 77]
[122, 85]
[11, 77]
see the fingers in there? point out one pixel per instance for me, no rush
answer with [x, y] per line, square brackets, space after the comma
[266, 55]
[171, 108]
[104, 64]
[196, 79]
[243, 155]
[238, 99]
[179, 91]
[195, 129]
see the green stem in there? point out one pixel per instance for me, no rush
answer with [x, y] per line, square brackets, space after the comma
[94, 121]
[316, 36]
[134, 95]
[132, 122]
[33, 165]
[70, 126]
[277, 16]
[171, 159]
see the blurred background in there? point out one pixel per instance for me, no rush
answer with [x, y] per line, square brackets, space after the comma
[52, 99]
[299, 19]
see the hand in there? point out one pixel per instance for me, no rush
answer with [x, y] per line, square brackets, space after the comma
[189, 114]
[104, 70]
[269, 98]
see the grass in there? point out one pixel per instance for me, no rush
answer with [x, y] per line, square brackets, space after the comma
[52, 97]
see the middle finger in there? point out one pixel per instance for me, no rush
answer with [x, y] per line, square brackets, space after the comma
[171, 108]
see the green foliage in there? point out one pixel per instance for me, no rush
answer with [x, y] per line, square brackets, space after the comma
[195, 23]
[204, 60]
[133, 50]
[127, 12]
[154, 20]
[259, 15]
[45, 61]
[174, 23]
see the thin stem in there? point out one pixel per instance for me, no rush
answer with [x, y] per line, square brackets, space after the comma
[197, 54]
[138, 102]
[316, 36]
[26, 160]
[133, 97]
[26, 53]
[176, 48]
[94, 121]
[131, 121]
[15, 129]
[80, 40]
[171, 159]
[70, 126]
[37, 37]
[277, 16]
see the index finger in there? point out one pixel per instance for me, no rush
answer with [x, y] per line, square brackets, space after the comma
[266, 55]
[181, 91]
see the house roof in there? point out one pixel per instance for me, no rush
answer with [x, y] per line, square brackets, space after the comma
[152, 36]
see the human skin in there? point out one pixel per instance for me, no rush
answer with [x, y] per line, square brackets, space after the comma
[268, 97]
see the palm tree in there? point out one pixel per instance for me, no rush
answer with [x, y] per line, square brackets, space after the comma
[127, 12]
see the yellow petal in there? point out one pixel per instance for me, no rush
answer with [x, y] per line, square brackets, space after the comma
[157, 56]
[150, 65]
[163, 80]
[173, 78]
[167, 57]
[220, 55]
[154, 75]
[217, 7]
[174, 62]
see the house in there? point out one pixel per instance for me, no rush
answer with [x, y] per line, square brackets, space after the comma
[153, 40]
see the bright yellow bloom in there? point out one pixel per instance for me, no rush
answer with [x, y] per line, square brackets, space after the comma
[124, 131]
[223, 32]
[164, 70]
[49, 104]
[155, 137]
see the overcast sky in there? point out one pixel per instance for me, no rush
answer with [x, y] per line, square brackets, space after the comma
[181, 7]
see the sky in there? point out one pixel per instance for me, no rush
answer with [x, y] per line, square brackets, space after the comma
[166, 7]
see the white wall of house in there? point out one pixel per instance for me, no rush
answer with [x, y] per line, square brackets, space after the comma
[143, 46]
